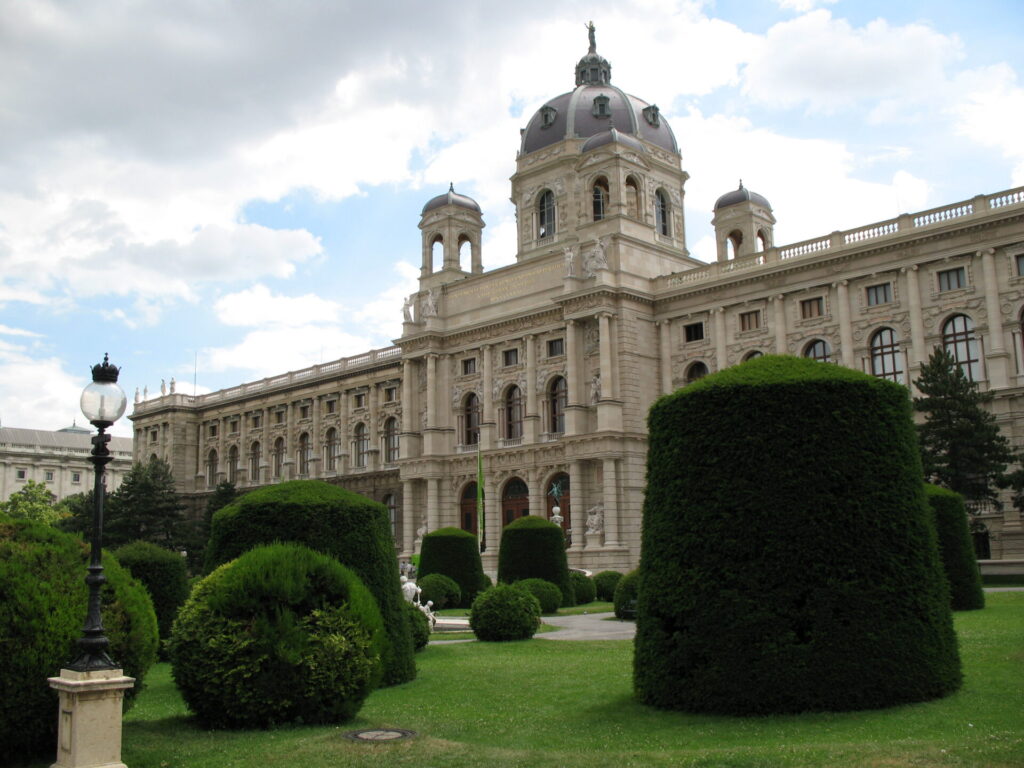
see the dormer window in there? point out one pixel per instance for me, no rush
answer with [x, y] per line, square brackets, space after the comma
[602, 107]
[652, 115]
[547, 116]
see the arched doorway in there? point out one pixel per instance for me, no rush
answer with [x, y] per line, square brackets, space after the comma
[515, 501]
[558, 487]
[467, 509]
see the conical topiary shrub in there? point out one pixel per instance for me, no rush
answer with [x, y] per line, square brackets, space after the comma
[956, 549]
[789, 560]
[454, 553]
[534, 548]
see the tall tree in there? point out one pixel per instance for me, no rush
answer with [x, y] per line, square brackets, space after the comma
[33, 502]
[961, 446]
[145, 507]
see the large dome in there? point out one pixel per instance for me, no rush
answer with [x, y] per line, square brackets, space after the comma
[596, 107]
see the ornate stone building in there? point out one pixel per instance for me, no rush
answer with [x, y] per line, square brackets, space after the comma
[547, 367]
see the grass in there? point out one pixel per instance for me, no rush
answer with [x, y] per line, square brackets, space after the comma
[543, 703]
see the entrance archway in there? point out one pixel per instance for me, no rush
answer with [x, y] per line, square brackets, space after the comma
[515, 501]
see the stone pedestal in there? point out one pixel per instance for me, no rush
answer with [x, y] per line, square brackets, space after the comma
[89, 727]
[593, 540]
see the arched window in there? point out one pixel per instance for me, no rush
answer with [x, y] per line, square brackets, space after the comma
[513, 412]
[632, 198]
[733, 242]
[391, 440]
[392, 505]
[255, 457]
[303, 454]
[471, 414]
[278, 459]
[886, 360]
[696, 371]
[959, 341]
[467, 509]
[437, 253]
[752, 355]
[465, 253]
[515, 500]
[546, 214]
[360, 444]
[600, 198]
[819, 350]
[558, 392]
[233, 464]
[764, 242]
[211, 469]
[331, 449]
[662, 213]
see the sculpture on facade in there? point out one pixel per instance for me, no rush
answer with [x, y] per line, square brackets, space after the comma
[569, 253]
[596, 259]
[595, 387]
[595, 519]
[138, 397]
[163, 387]
[430, 303]
[174, 385]
[407, 310]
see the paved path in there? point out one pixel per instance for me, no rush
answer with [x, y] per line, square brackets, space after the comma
[592, 626]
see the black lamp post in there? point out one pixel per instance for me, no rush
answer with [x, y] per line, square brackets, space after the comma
[103, 403]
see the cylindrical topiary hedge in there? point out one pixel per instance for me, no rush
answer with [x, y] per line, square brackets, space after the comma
[789, 559]
[349, 527]
[956, 549]
[440, 590]
[532, 547]
[42, 610]
[454, 553]
[504, 612]
[163, 573]
[583, 587]
[548, 595]
[625, 595]
[282, 634]
[604, 585]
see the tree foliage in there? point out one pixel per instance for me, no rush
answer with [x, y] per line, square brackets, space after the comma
[145, 507]
[961, 446]
[33, 502]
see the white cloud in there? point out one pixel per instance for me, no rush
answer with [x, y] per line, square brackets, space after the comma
[6, 330]
[802, 6]
[257, 307]
[46, 399]
[382, 315]
[990, 112]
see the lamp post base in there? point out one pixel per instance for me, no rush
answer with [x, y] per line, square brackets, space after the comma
[89, 728]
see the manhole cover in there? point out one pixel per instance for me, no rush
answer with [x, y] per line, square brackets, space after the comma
[380, 734]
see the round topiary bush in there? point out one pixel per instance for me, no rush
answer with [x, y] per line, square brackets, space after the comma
[282, 634]
[443, 591]
[420, 625]
[504, 612]
[788, 559]
[43, 608]
[625, 595]
[604, 585]
[454, 553]
[548, 595]
[163, 573]
[956, 548]
[532, 547]
[348, 527]
[583, 587]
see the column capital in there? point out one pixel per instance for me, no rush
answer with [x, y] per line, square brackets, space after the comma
[987, 252]
[529, 336]
[779, 297]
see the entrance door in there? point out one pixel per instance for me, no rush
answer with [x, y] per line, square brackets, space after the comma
[515, 500]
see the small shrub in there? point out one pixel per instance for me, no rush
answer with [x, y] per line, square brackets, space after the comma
[626, 594]
[456, 554]
[604, 585]
[163, 573]
[548, 595]
[443, 591]
[956, 549]
[485, 583]
[583, 587]
[534, 548]
[420, 626]
[504, 612]
[282, 634]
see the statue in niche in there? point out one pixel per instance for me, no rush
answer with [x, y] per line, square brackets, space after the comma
[407, 310]
[595, 519]
[430, 303]
[595, 387]
[569, 254]
[596, 259]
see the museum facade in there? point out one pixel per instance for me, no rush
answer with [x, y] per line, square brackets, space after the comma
[544, 370]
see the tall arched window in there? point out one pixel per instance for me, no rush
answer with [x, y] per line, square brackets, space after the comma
[886, 360]
[331, 449]
[471, 420]
[255, 457]
[233, 464]
[303, 454]
[515, 500]
[959, 341]
[600, 198]
[360, 444]
[392, 505]
[437, 253]
[513, 412]
[211, 469]
[546, 214]
[391, 440]
[467, 508]
[696, 371]
[278, 466]
[819, 350]
[557, 398]
[662, 213]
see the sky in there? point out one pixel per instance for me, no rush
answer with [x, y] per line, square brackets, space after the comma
[219, 191]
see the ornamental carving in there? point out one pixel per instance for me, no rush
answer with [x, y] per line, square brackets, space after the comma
[591, 338]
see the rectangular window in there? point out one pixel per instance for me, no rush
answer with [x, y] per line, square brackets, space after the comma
[812, 308]
[154, 435]
[1020, 264]
[331, 406]
[303, 411]
[390, 393]
[76, 477]
[49, 476]
[279, 417]
[255, 421]
[213, 430]
[510, 357]
[951, 279]
[21, 474]
[750, 320]
[468, 366]
[879, 294]
[693, 331]
[360, 400]
[556, 347]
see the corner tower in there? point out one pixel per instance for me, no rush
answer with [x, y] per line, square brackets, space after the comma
[450, 223]
[743, 224]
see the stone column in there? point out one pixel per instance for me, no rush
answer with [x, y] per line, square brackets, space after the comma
[779, 302]
[408, 517]
[433, 503]
[611, 503]
[267, 461]
[243, 450]
[577, 506]
[492, 520]
[315, 439]
[89, 717]
[605, 350]
[373, 459]
[531, 423]
[665, 355]
[487, 425]
[845, 329]
[918, 353]
[720, 347]
[996, 356]
[344, 438]
[288, 469]
[431, 393]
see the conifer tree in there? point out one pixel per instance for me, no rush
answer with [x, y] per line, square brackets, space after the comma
[145, 507]
[961, 446]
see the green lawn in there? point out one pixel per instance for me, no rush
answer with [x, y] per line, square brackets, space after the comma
[547, 703]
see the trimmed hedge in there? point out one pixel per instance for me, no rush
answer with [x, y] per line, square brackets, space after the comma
[455, 553]
[583, 587]
[625, 595]
[956, 548]
[163, 573]
[329, 519]
[282, 634]
[504, 612]
[532, 547]
[789, 560]
[604, 585]
[444, 592]
[43, 608]
[420, 625]
[548, 595]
